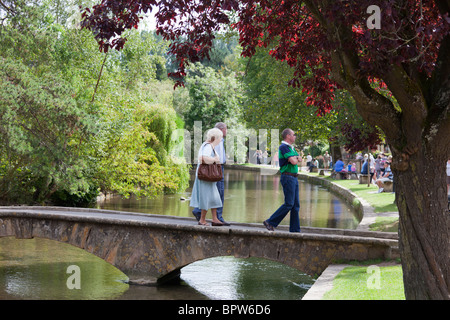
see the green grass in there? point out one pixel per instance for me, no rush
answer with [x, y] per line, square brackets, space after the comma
[355, 283]
[368, 283]
[385, 224]
[381, 202]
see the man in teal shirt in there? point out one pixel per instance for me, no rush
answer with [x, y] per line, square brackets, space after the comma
[289, 159]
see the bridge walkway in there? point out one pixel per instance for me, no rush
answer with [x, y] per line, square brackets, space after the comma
[124, 217]
[154, 246]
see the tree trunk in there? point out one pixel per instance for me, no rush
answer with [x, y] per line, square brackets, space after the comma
[335, 150]
[418, 136]
[421, 196]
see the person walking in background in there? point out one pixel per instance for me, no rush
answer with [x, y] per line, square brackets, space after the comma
[220, 149]
[378, 165]
[274, 161]
[326, 160]
[308, 160]
[265, 155]
[205, 194]
[289, 158]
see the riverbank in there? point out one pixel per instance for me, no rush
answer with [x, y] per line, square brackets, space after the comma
[378, 210]
[370, 281]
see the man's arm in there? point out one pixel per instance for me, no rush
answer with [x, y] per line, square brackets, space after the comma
[294, 160]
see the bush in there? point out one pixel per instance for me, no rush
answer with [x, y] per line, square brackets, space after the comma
[81, 199]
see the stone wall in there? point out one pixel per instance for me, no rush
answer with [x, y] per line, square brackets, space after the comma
[151, 251]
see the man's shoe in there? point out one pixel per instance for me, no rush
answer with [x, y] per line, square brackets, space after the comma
[225, 223]
[268, 226]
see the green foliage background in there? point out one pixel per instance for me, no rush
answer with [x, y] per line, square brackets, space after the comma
[62, 141]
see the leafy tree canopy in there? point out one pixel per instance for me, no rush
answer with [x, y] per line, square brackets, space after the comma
[74, 121]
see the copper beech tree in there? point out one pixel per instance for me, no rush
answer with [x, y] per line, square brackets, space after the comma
[393, 57]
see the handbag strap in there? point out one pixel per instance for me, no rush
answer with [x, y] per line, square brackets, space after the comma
[215, 152]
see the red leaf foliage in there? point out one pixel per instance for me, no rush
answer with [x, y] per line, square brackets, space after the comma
[302, 33]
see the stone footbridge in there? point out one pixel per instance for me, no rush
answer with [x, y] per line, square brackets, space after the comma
[151, 249]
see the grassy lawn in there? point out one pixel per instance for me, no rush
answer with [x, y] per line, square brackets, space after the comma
[368, 283]
[382, 202]
[385, 224]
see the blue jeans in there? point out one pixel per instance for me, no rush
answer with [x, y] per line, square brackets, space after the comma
[291, 203]
[221, 188]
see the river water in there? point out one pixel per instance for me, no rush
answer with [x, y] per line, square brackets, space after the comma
[39, 268]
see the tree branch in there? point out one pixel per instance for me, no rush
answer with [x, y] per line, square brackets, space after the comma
[6, 7]
[412, 103]
[316, 13]
[371, 105]
[99, 76]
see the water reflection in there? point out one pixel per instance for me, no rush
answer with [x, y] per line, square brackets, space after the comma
[246, 279]
[251, 197]
[37, 269]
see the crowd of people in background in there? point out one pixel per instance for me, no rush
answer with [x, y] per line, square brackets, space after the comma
[377, 168]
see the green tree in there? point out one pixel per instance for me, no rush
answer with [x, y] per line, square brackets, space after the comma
[213, 96]
[57, 143]
[42, 128]
[270, 103]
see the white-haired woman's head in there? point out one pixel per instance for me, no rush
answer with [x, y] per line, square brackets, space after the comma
[214, 135]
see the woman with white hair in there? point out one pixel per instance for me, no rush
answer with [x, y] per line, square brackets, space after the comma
[205, 195]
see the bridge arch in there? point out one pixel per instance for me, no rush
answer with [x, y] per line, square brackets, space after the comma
[152, 249]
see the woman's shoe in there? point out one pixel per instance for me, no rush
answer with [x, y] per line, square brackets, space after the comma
[217, 224]
[203, 224]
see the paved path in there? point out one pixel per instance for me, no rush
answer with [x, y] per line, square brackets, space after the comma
[324, 283]
[370, 218]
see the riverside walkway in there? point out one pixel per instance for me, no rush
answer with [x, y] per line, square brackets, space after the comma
[151, 249]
